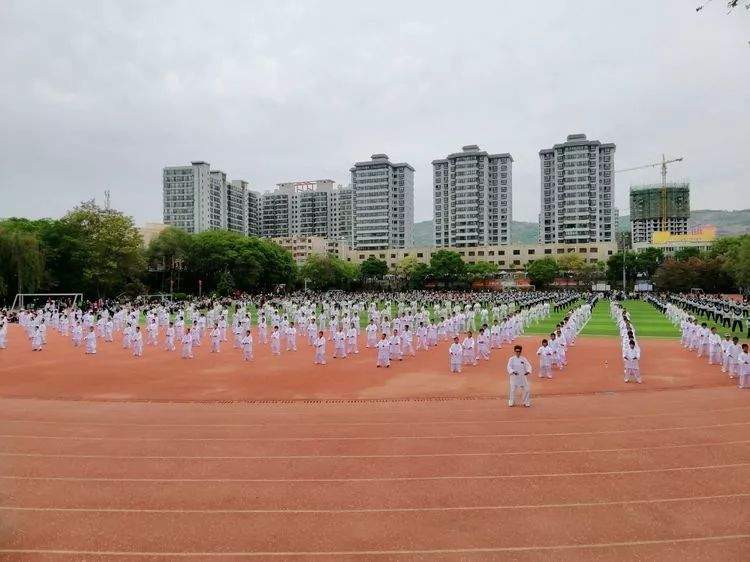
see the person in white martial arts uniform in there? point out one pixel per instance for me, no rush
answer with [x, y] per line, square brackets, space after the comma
[384, 351]
[275, 341]
[352, 335]
[76, 334]
[422, 340]
[137, 342]
[291, 337]
[170, 334]
[339, 343]
[469, 346]
[91, 342]
[407, 341]
[714, 347]
[546, 355]
[519, 369]
[372, 334]
[247, 346]
[632, 357]
[320, 349]
[495, 335]
[395, 348]
[187, 345]
[726, 345]
[262, 329]
[703, 334]
[743, 364]
[734, 351]
[456, 354]
[3, 334]
[483, 344]
[216, 339]
[36, 339]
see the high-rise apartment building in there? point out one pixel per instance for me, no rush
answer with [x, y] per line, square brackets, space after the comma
[237, 206]
[253, 213]
[305, 208]
[577, 192]
[473, 198]
[192, 198]
[650, 205]
[383, 202]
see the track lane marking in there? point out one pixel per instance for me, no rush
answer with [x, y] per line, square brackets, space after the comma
[408, 455]
[372, 510]
[374, 438]
[384, 479]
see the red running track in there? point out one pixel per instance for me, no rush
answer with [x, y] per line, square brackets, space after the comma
[595, 470]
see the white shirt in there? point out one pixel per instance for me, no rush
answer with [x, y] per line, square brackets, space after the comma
[518, 367]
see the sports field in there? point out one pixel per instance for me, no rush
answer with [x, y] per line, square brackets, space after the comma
[157, 458]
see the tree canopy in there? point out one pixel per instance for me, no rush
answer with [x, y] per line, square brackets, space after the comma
[542, 272]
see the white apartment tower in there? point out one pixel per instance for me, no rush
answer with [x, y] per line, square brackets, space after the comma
[253, 213]
[237, 220]
[473, 198]
[192, 198]
[383, 202]
[577, 192]
[305, 208]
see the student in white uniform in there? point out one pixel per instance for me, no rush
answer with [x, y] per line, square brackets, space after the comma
[91, 342]
[187, 344]
[546, 355]
[77, 334]
[275, 341]
[714, 347]
[483, 344]
[632, 356]
[36, 340]
[384, 351]
[170, 333]
[137, 342]
[320, 349]
[3, 334]
[291, 337]
[469, 349]
[519, 370]
[743, 364]
[215, 339]
[351, 339]
[371, 332]
[247, 346]
[395, 347]
[456, 353]
[734, 351]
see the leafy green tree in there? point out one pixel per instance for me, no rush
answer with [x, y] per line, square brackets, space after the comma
[614, 268]
[648, 260]
[111, 248]
[684, 254]
[373, 267]
[481, 270]
[323, 271]
[447, 266]
[22, 260]
[542, 272]
[739, 264]
[225, 285]
[677, 276]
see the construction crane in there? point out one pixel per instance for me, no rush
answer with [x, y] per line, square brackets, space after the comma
[664, 198]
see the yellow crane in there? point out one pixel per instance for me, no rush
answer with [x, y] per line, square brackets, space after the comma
[663, 165]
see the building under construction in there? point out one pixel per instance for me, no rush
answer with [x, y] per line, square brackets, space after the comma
[648, 213]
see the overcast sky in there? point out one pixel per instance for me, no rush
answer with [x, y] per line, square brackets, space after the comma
[98, 95]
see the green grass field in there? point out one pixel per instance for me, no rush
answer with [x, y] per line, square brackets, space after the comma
[649, 322]
[600, 323]
[544, 327]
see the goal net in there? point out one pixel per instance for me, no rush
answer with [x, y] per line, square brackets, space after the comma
[38, 300]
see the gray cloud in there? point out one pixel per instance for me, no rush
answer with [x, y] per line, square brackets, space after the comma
[99, 95]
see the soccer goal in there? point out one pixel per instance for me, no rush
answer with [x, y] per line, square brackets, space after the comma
[23, 299]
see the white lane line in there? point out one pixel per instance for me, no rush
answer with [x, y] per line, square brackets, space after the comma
[375, 438]
[384, 423]
[488, 550]
[372, 510]
[383, 479]
[394, 456]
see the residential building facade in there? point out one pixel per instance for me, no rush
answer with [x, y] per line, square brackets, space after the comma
[383, 203]
[473, 198]
[577, 192]
[650, 205]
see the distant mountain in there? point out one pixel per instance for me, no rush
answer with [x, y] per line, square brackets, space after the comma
[727, 223]
[520, 232]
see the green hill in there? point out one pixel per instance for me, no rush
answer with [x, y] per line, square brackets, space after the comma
[727, 223]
